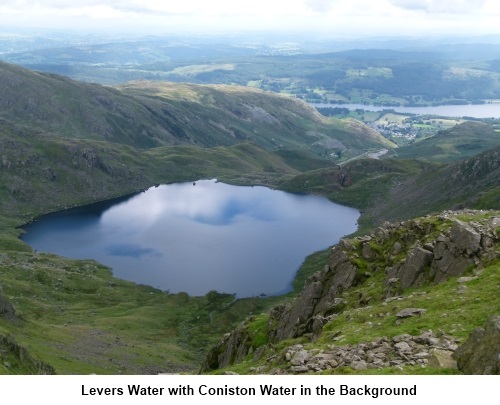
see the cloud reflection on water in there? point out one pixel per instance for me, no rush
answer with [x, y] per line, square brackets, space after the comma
[206, 202]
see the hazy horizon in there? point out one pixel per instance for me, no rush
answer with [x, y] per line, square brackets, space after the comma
[317, 18]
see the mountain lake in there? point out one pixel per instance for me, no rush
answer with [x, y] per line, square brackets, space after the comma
[198, 237]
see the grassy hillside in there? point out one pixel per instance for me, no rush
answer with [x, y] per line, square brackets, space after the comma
[42, 172]
[472, 183]
[362, 183]
[271, 120]
[150, 114]
[457, 143]
[392, 189]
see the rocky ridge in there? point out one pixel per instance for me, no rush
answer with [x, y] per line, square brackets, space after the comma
[396, 256]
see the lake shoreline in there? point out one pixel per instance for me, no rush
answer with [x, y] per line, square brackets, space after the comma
[488, 110]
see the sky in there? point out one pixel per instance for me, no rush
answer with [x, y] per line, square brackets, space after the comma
[350, 18]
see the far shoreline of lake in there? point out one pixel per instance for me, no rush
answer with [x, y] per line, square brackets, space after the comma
[487, 110]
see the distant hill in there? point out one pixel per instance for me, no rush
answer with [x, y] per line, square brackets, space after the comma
[41, 172]
[457, 143]
[472, 183]
[396, 189]
[146, 114]
[242, 113]
[382, 54]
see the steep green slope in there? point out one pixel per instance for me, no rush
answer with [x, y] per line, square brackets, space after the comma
[363, 183]
[75, 110]
[457, 143]
[392, 189]
[41, 172]
[472, 183]
[271, 120]
[150, 114]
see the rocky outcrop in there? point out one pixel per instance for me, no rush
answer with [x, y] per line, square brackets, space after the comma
[480, 354]
[6, 309]
[412, 270]
[449, 254]
[321, 295]
[17, 359]
[233, 348]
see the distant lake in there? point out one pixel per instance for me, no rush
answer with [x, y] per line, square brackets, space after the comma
[197, 238]
[469, 110]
